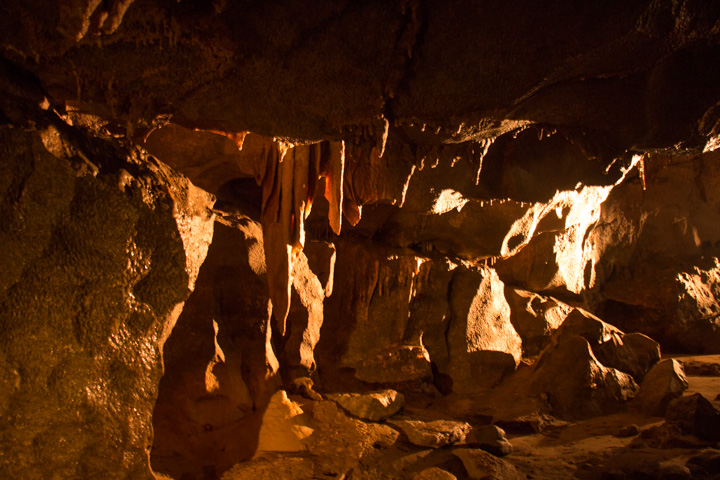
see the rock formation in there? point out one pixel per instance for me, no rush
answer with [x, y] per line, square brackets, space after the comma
[236, 234]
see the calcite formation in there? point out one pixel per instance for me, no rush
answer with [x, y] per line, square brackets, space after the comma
[97, 264]
[449, 201]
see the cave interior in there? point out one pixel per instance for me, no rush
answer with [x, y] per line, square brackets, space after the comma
[403, 239]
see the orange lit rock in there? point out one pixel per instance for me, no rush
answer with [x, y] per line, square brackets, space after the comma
[483, 346]
[662, 384]
[101, 249]
[576, 384]
[283, 426]
[373, 406]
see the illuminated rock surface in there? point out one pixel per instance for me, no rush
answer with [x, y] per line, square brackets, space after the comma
[500, 211]
[96, 270]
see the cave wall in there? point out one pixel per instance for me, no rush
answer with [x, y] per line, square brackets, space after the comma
[97, 263]
[659, 251]
[501, 168]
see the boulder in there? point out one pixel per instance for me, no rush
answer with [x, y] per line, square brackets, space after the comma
[432, 433]
[482, 342]
[490, 438]
[629, 431]
[673, 472]
[662, 384]
[283, 426]
[535, 318]
[704, 463]
[701, 369]
[666, 436]
[481, 465]
[577, 385]
[340, 441]
[695, 415]
[373, 406]
[434, 473]
[632, 353]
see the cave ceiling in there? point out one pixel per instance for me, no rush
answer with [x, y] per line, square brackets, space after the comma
[633, 75]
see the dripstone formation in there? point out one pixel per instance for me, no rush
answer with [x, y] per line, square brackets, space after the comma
[407, 239]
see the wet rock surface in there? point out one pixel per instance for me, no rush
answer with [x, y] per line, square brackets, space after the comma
[491, 211]
[98, 258]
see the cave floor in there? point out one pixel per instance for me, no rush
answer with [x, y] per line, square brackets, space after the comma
[544, 448]
[593, 449]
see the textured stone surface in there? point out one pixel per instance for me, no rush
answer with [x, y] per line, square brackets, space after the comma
[483, 345]
[481, 464]
[576, 383]
[658, 252]
[220, 369]
[434, 473]
[397, 364]
[490, 438]
[432, 433]
[391, 60]
[373, 406]
[388, 313]
[340, 442]
[95, 272]
[271, 466]
[535, 318]
[705, 463]
[632, 353]
[695, 415]
[560, 258]
[461, 136]
[662, 384]
[283, 426]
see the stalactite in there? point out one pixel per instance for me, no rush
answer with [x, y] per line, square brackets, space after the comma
[479, 155]
[334, 180]
[301, 180]
[641, 171]
[382, 141]
[289, 185]
[316, 153]
[350, 207]
[275, 235]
